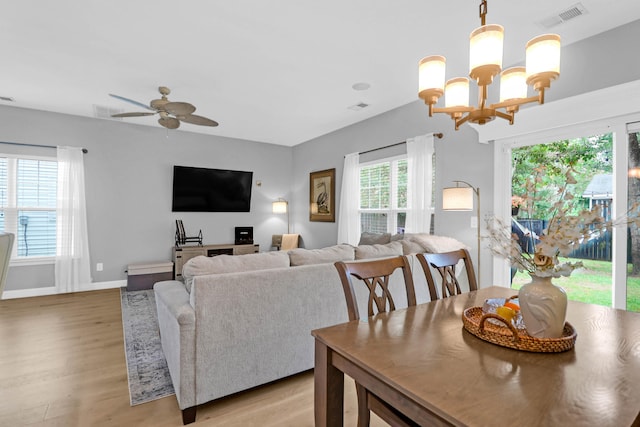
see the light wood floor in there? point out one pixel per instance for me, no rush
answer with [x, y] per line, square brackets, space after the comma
[62, 364]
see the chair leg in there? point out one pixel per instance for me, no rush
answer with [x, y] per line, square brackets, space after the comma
[189, 415]
[363, 407]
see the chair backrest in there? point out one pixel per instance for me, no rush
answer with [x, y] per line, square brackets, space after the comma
[375, 275]
[6, 244]
[289, 241]
[445, 263]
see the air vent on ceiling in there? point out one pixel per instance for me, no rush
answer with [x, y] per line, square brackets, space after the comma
[358, 106]
[7, 98]
[569, 13]
[102, 112]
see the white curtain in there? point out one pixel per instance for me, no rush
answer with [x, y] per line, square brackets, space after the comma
[72, 268]
[348, 216]
[420, 174]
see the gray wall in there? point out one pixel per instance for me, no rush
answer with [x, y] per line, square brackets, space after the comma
[128, 172]
[605, 60]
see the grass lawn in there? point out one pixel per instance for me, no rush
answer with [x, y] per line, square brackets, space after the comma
[591, 284]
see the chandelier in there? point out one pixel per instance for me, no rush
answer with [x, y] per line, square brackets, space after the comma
[485, 62]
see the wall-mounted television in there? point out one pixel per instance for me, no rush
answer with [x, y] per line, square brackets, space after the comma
[211, 190]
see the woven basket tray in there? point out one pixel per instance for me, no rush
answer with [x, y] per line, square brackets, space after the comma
[474, 321]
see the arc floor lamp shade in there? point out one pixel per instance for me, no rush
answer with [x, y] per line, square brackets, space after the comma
[457, 199]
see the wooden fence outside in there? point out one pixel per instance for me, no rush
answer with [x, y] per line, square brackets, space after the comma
[599, 248]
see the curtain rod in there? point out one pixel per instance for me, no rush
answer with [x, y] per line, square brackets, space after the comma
[437, 135]
[84, 150]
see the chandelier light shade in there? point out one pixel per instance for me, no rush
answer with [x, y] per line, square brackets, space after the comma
[457, 92]
[485, 63]
[485, 53]
[431, 77]
[543, 60]
[513, 84]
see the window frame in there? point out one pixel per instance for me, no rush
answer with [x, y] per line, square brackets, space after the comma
[11, 209]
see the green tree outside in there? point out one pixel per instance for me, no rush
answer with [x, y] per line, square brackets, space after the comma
[587, 156]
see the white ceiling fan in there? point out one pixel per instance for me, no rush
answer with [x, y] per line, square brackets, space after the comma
[171, 113]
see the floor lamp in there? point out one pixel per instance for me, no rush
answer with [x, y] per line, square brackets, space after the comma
[281, 206]
[461, 199]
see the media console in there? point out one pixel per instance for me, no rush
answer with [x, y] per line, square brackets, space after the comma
[183, 254]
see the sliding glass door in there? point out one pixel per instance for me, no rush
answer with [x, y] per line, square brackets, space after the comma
[606, 159]
[590, 158]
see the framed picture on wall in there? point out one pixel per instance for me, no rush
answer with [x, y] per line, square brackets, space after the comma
[322, 192]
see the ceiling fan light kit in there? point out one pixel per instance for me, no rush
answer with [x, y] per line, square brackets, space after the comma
[485, 62]
[171, 113]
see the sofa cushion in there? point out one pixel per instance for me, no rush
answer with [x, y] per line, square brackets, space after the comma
[409, 247]
[331, 254]
[399, 236]
[202, 265]
[407, 236]
[379, 251]
[436, 244]
[368, 238]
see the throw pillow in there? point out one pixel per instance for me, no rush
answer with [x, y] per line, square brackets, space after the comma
[368, 238]
[437, 244]
[379, 251]
[409, 247]
[342, 252]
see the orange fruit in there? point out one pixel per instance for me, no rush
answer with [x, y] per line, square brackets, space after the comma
[512, 305]
[506, 312]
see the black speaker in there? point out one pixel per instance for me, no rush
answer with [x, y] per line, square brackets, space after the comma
[244, 236]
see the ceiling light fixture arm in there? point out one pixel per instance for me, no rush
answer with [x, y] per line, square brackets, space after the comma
[483, 12]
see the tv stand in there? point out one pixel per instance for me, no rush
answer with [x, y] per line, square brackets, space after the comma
[182, 254]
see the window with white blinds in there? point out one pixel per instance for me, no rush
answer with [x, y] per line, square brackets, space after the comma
[28, 205]
[383, 196]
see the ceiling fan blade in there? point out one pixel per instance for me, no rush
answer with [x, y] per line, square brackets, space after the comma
[139, 104]
[179, 108]
[169, 122]
[198, 120]
[132, 114]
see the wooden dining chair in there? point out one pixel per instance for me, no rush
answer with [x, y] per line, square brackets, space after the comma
[6, 245]
[375, 276]
[445, 263]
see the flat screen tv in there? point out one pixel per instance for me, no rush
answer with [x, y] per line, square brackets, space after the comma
[211, 190]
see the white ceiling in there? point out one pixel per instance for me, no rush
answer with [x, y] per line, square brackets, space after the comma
[278, 71]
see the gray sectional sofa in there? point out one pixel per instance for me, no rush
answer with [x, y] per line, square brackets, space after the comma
[241, 321]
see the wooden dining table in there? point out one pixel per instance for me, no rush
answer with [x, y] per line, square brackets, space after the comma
[421, 361]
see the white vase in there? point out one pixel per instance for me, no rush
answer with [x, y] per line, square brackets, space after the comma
[544, 307]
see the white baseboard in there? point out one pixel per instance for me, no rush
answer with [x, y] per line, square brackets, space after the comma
[51, 290]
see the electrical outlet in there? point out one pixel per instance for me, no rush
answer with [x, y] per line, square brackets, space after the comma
[99, 266]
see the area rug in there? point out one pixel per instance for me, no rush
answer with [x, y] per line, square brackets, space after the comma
[146, 365]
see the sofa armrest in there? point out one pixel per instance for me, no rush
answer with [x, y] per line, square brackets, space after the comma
[177, 321]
